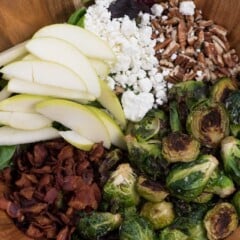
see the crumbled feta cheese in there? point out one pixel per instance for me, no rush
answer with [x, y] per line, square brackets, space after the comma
[157, 10]
[136, 67]
[174, 56]
[187, 7]
[135, 106]
[199, 73]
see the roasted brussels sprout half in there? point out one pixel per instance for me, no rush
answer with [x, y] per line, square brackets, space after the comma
[174, 117]
[150, 190]
[220, 221]
[145, 156]
[186, 181]
[172, 234]
[204, 197]
[159, 214]
[120, 188]
[180, 147]
[222, 89]
[208, 122]
[97, 224]
[136, 227]
[189, 92]
[220, 184]
[153, 124]
[236, 202]
[232, 104]
[230, 152]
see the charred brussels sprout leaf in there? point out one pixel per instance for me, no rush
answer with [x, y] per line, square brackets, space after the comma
[136, 227]
[189, 92]
[97, 224]
[175, 121]
[233, 107]
[145, 156]
[172, 234]
[186, 181]
[159, 214]
[230, 152]
[222, 89]
[151, 190]
[220, 184]
[179, 147]
[204, 197]
[153, 124]
[120, 188]
[208, 122]
[221, 221]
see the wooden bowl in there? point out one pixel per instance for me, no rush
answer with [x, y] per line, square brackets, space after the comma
[21, 18]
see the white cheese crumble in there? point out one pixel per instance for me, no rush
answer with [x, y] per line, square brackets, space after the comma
[135, 106]
[136, 68]
[157, 10]
[187, 8]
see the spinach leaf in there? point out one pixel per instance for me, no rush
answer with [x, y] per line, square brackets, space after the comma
[6, 153]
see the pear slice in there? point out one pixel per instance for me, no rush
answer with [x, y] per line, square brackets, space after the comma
[110, 101]
[88, 43]
[21, 103]
[101, 68]
[76, 117]
[25, 121]
[13, 53]
[22, 86]
[44, 72]
[77, 140]
[115, 133]
[4, 93]
[61, 52]
[12, 136]
[29, 57]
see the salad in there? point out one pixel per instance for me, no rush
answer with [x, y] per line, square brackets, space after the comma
[122, 123]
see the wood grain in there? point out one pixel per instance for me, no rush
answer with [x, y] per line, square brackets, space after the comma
[21, 18]
[225, 13]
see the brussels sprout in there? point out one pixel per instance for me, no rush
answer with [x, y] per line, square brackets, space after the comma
[221, 221]
[120, 188]
[180, 147]
[145, 156]
[191, 227]
[220, 184]
[208, 122]
[150, 190]
[204, 197]
[172, 234]
[97, 224]
[153, 124]
[136, 227]
[230, 152]
[175, 121]
[159, 214]
[222, 89]
[236, 202]
[235, 130]
[186, 181]
[189, 92]
[232, 104]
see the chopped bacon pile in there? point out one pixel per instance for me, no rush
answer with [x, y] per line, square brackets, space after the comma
[49, 184]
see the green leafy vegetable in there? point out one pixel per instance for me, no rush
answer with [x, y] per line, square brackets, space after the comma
[6, 154]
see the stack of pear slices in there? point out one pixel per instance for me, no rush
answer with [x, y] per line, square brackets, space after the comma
[62, 71]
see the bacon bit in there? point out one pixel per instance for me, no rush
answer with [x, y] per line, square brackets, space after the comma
[96, 152]
[43, 220]
[40, 154]
[43, 170]
[63, 234]
[162, 45]
[34, 232]
[66, 153]
[27, 192]
[51, 195]
[72, 183]
[36, 208]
